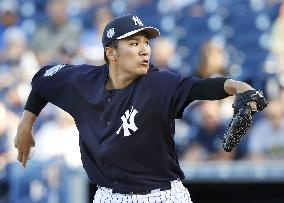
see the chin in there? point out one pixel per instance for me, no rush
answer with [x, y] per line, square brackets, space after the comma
[144, 70]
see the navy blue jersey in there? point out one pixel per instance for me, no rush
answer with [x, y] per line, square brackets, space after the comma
[126, 135]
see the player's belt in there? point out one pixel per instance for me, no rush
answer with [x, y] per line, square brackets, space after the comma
[168, 187]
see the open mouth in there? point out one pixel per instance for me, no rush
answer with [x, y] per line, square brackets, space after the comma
[144, 62]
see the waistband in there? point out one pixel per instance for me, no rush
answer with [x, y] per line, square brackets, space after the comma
[151, 191]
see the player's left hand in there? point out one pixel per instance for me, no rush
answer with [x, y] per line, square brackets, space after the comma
[253, 105]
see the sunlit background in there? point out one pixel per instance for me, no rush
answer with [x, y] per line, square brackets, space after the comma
[241, 39]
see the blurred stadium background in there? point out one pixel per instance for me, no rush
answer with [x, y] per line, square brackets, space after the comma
[241, 39]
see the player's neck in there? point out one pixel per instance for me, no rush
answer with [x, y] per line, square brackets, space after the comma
[118, 79]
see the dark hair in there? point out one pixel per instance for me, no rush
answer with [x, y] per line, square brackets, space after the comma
[113, 44]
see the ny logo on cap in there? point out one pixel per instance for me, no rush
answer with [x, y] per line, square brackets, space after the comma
[137, 21]
[110, 33]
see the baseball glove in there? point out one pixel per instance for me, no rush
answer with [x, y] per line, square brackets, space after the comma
[242, 118]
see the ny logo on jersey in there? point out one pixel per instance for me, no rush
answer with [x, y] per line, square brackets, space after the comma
[137, 21]
[128, 122]
[53, 70]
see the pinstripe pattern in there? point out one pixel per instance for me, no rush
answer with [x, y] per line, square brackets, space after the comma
[177, 194]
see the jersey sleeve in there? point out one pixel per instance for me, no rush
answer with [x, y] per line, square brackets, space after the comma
[55, 84]
[177, 92]
[35, 103]
[181, 97]
[172, 92]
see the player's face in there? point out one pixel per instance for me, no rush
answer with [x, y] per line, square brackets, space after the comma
[133, 54]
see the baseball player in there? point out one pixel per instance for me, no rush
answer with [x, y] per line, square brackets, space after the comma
[125, 112]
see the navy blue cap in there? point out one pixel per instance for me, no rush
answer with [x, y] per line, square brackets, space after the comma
[125, 26]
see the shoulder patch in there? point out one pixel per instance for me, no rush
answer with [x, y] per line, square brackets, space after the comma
[51, 71]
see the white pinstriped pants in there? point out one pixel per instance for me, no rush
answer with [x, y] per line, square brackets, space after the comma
[177, 194]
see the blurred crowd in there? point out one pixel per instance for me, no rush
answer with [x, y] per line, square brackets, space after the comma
[241, 39]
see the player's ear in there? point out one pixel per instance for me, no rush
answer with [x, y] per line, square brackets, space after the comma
[110, 53]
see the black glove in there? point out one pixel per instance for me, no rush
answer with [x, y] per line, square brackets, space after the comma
[242, 118]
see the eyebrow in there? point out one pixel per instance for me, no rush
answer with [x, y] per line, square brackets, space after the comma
[137, 38]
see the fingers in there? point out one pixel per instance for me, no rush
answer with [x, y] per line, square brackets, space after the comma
[20, 155]
[23, 142]
[33, 143]
[15, 142]
[253, 105]
[23, 156]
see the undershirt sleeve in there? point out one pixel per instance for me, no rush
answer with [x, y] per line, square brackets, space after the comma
[208, 89]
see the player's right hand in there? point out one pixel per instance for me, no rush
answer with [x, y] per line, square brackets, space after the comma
[24, 141]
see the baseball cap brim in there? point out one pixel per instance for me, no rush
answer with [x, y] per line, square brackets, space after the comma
[150, 31]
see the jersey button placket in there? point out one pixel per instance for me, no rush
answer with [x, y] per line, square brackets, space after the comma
[108, 100]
